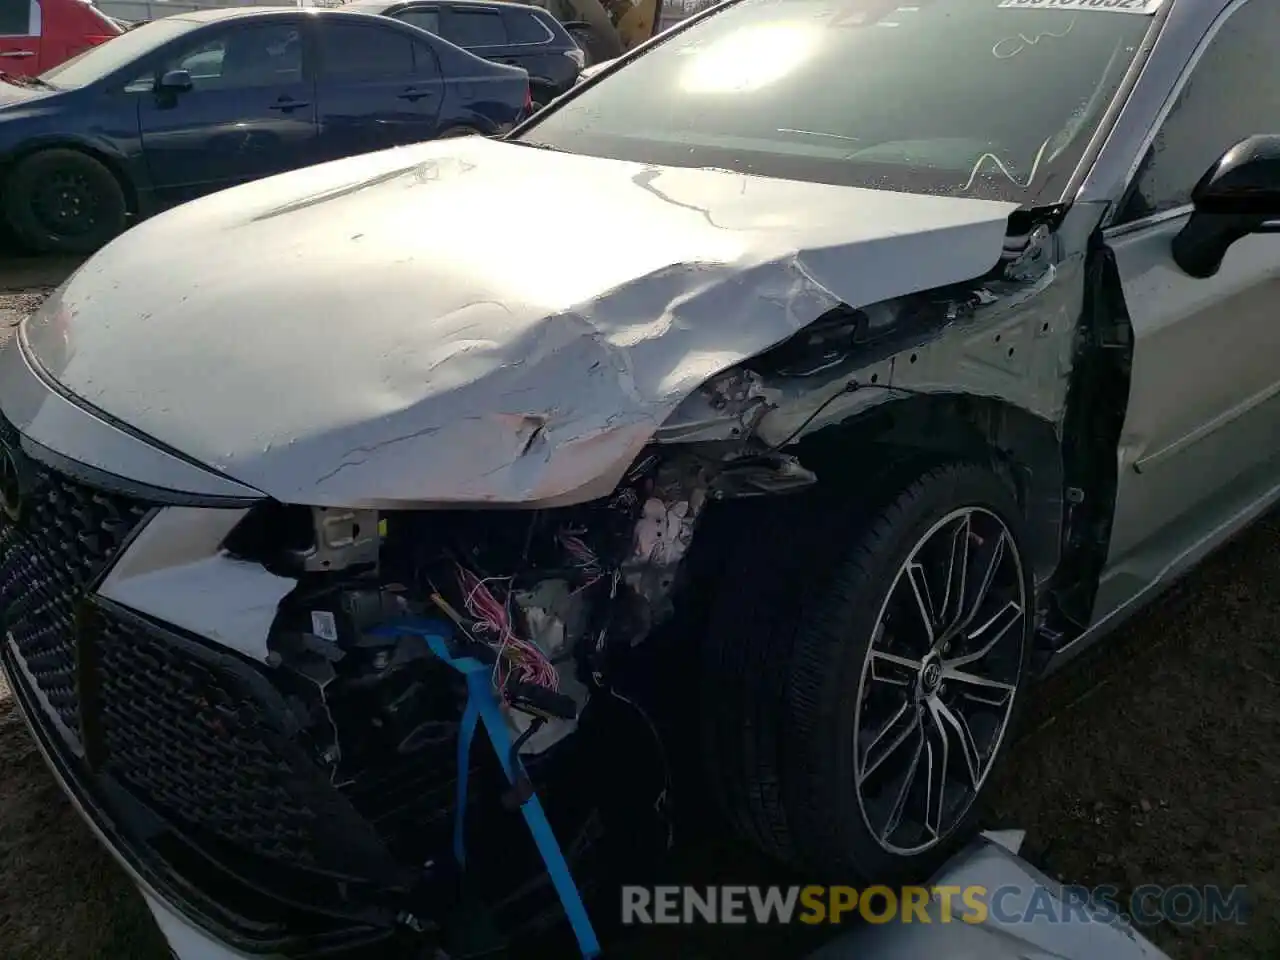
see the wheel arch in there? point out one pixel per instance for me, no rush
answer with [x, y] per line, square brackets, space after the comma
[1024, 448]
[113, 163]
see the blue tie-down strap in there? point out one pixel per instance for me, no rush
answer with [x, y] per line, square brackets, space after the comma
[482, 704]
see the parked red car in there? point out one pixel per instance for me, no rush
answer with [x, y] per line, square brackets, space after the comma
[37, 35]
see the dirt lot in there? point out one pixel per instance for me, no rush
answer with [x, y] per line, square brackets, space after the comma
[1155, 761]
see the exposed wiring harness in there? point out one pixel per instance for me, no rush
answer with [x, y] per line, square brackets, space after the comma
[493, 621]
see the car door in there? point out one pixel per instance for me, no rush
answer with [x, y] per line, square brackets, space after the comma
[20, 29]
[249, 110]
[1201, 439]
[378, 86]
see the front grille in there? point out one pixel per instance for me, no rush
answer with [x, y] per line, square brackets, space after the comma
[177, 733]
[203, 740]
[200, 766]
[181, 734]
[67, 534]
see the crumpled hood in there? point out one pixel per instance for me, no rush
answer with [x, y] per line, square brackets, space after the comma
[470, 321]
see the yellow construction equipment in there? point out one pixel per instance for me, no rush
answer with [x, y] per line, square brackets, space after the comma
[606, 28]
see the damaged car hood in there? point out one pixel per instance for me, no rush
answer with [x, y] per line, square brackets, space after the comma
[470, 321]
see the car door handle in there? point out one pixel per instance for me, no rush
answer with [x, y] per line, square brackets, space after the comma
[290, 105]
[18, 54]
[412, 94]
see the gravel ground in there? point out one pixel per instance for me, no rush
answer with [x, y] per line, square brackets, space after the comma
[1155, 760]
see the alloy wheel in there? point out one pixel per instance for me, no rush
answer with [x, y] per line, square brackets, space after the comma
[939, 681]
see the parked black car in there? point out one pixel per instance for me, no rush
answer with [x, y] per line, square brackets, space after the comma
[192, 103]
[511, 33]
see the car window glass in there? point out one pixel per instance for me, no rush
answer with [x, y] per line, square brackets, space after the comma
[260, 55]
[476, 28]
[425, 64]
[428, 20]
[526, 28]
[1233, 92]
[849, 92]
[360, 51]
[15, 18]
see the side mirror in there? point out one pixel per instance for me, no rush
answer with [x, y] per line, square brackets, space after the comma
[1238, 196]
[176, 81]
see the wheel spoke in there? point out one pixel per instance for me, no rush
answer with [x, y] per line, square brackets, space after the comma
[936, 759]
[989, 634]
[893, 669]
[997, 693]
[952, 612]
[982, 583]
[964, 739]
[869, 764]
[919, 581]
[894, 820]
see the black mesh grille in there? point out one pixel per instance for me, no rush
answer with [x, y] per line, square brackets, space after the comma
[204, 741]
[180, 735]
[195, 734]
[200, 760]
[67, 533]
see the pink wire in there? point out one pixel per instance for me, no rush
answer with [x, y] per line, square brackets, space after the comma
[493, 618]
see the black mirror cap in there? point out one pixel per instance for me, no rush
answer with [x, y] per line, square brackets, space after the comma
[1245, 180]
[1238, 196]
[176, 80]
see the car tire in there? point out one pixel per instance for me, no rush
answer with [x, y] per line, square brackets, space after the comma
[799, 672]
[64, 201]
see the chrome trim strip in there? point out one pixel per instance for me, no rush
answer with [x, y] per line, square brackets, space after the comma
[1133, 226]
[69, 737]
[1211, 426]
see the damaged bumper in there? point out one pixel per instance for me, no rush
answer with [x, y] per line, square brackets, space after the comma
[205, 677]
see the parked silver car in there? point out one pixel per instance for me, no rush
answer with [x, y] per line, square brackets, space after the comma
[894, 354]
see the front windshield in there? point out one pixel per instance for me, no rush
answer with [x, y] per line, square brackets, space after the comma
[106, 58]
[975, 98]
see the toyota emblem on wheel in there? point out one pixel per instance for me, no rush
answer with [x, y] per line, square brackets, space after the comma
[931, 675]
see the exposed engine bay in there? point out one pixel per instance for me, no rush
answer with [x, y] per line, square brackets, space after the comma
[556, 602]
[544, 597]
